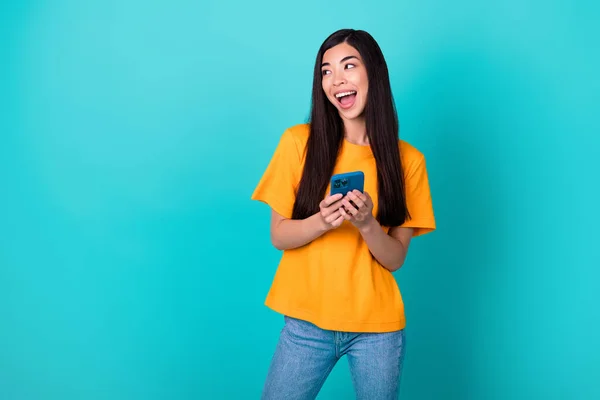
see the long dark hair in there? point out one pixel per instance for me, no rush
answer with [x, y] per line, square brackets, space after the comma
[327, 134]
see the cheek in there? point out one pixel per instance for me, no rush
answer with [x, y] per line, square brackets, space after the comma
[364, 90]
[326, 88]
[363, 80]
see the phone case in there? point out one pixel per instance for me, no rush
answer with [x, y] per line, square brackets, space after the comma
[347, 182]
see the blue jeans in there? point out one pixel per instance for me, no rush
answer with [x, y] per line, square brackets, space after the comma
[306, 354]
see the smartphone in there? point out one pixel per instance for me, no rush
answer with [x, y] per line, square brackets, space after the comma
[347, 182]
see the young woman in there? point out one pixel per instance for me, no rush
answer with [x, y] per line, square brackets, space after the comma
[334, 284]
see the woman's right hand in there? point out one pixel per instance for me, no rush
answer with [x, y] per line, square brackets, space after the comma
[330, 214]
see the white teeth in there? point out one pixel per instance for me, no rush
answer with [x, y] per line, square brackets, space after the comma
[339, 95]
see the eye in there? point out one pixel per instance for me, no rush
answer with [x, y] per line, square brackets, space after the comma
[325, 72]
[350, 66]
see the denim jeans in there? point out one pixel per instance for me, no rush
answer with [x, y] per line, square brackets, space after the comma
[306, 354]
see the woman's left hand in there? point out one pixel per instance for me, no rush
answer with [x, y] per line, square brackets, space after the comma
[361, 214]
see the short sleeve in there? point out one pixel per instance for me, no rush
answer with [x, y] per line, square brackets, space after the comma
[418, 198]
[277, 186]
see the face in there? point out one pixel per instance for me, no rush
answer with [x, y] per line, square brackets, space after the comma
[345, 80]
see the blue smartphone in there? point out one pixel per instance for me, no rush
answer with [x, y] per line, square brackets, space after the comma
[347, 182]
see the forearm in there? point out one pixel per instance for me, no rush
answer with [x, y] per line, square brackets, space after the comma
[290, 233]
[388, 251]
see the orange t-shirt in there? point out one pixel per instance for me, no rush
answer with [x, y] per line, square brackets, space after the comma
[334, 281]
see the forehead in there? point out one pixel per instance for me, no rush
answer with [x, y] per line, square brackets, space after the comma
[336, 53]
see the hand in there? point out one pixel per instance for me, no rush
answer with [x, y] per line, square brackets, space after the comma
[330, 212]
[360, 213]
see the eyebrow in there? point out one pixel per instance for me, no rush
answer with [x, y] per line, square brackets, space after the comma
[341, 61]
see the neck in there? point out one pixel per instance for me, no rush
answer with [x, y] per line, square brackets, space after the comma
[355, 131]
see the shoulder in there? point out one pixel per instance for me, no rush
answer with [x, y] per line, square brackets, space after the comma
[295, 138]
[412, 158]
[298, 133]
[409, 153]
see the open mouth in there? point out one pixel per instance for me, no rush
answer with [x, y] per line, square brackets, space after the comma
[346, 99]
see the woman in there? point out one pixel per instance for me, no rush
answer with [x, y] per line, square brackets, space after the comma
[334, 284]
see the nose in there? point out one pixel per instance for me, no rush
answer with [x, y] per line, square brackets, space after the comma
[339, 80]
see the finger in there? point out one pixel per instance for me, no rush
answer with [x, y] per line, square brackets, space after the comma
[328, 210]
[336, 205]
[358, 202]
[368, 200]
[349, 207]
[329, 200]
[345, 214]
[332, 217]
[338, 221]
[332, 208]
[363, 196]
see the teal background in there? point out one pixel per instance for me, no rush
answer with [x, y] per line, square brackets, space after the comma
[133, 264]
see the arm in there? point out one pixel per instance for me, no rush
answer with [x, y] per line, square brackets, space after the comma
[287, 234]
[389, 249]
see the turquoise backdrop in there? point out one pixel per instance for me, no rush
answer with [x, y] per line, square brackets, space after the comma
[133, 264]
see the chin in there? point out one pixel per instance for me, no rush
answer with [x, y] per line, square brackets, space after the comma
[350, 117]
[352, 114]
